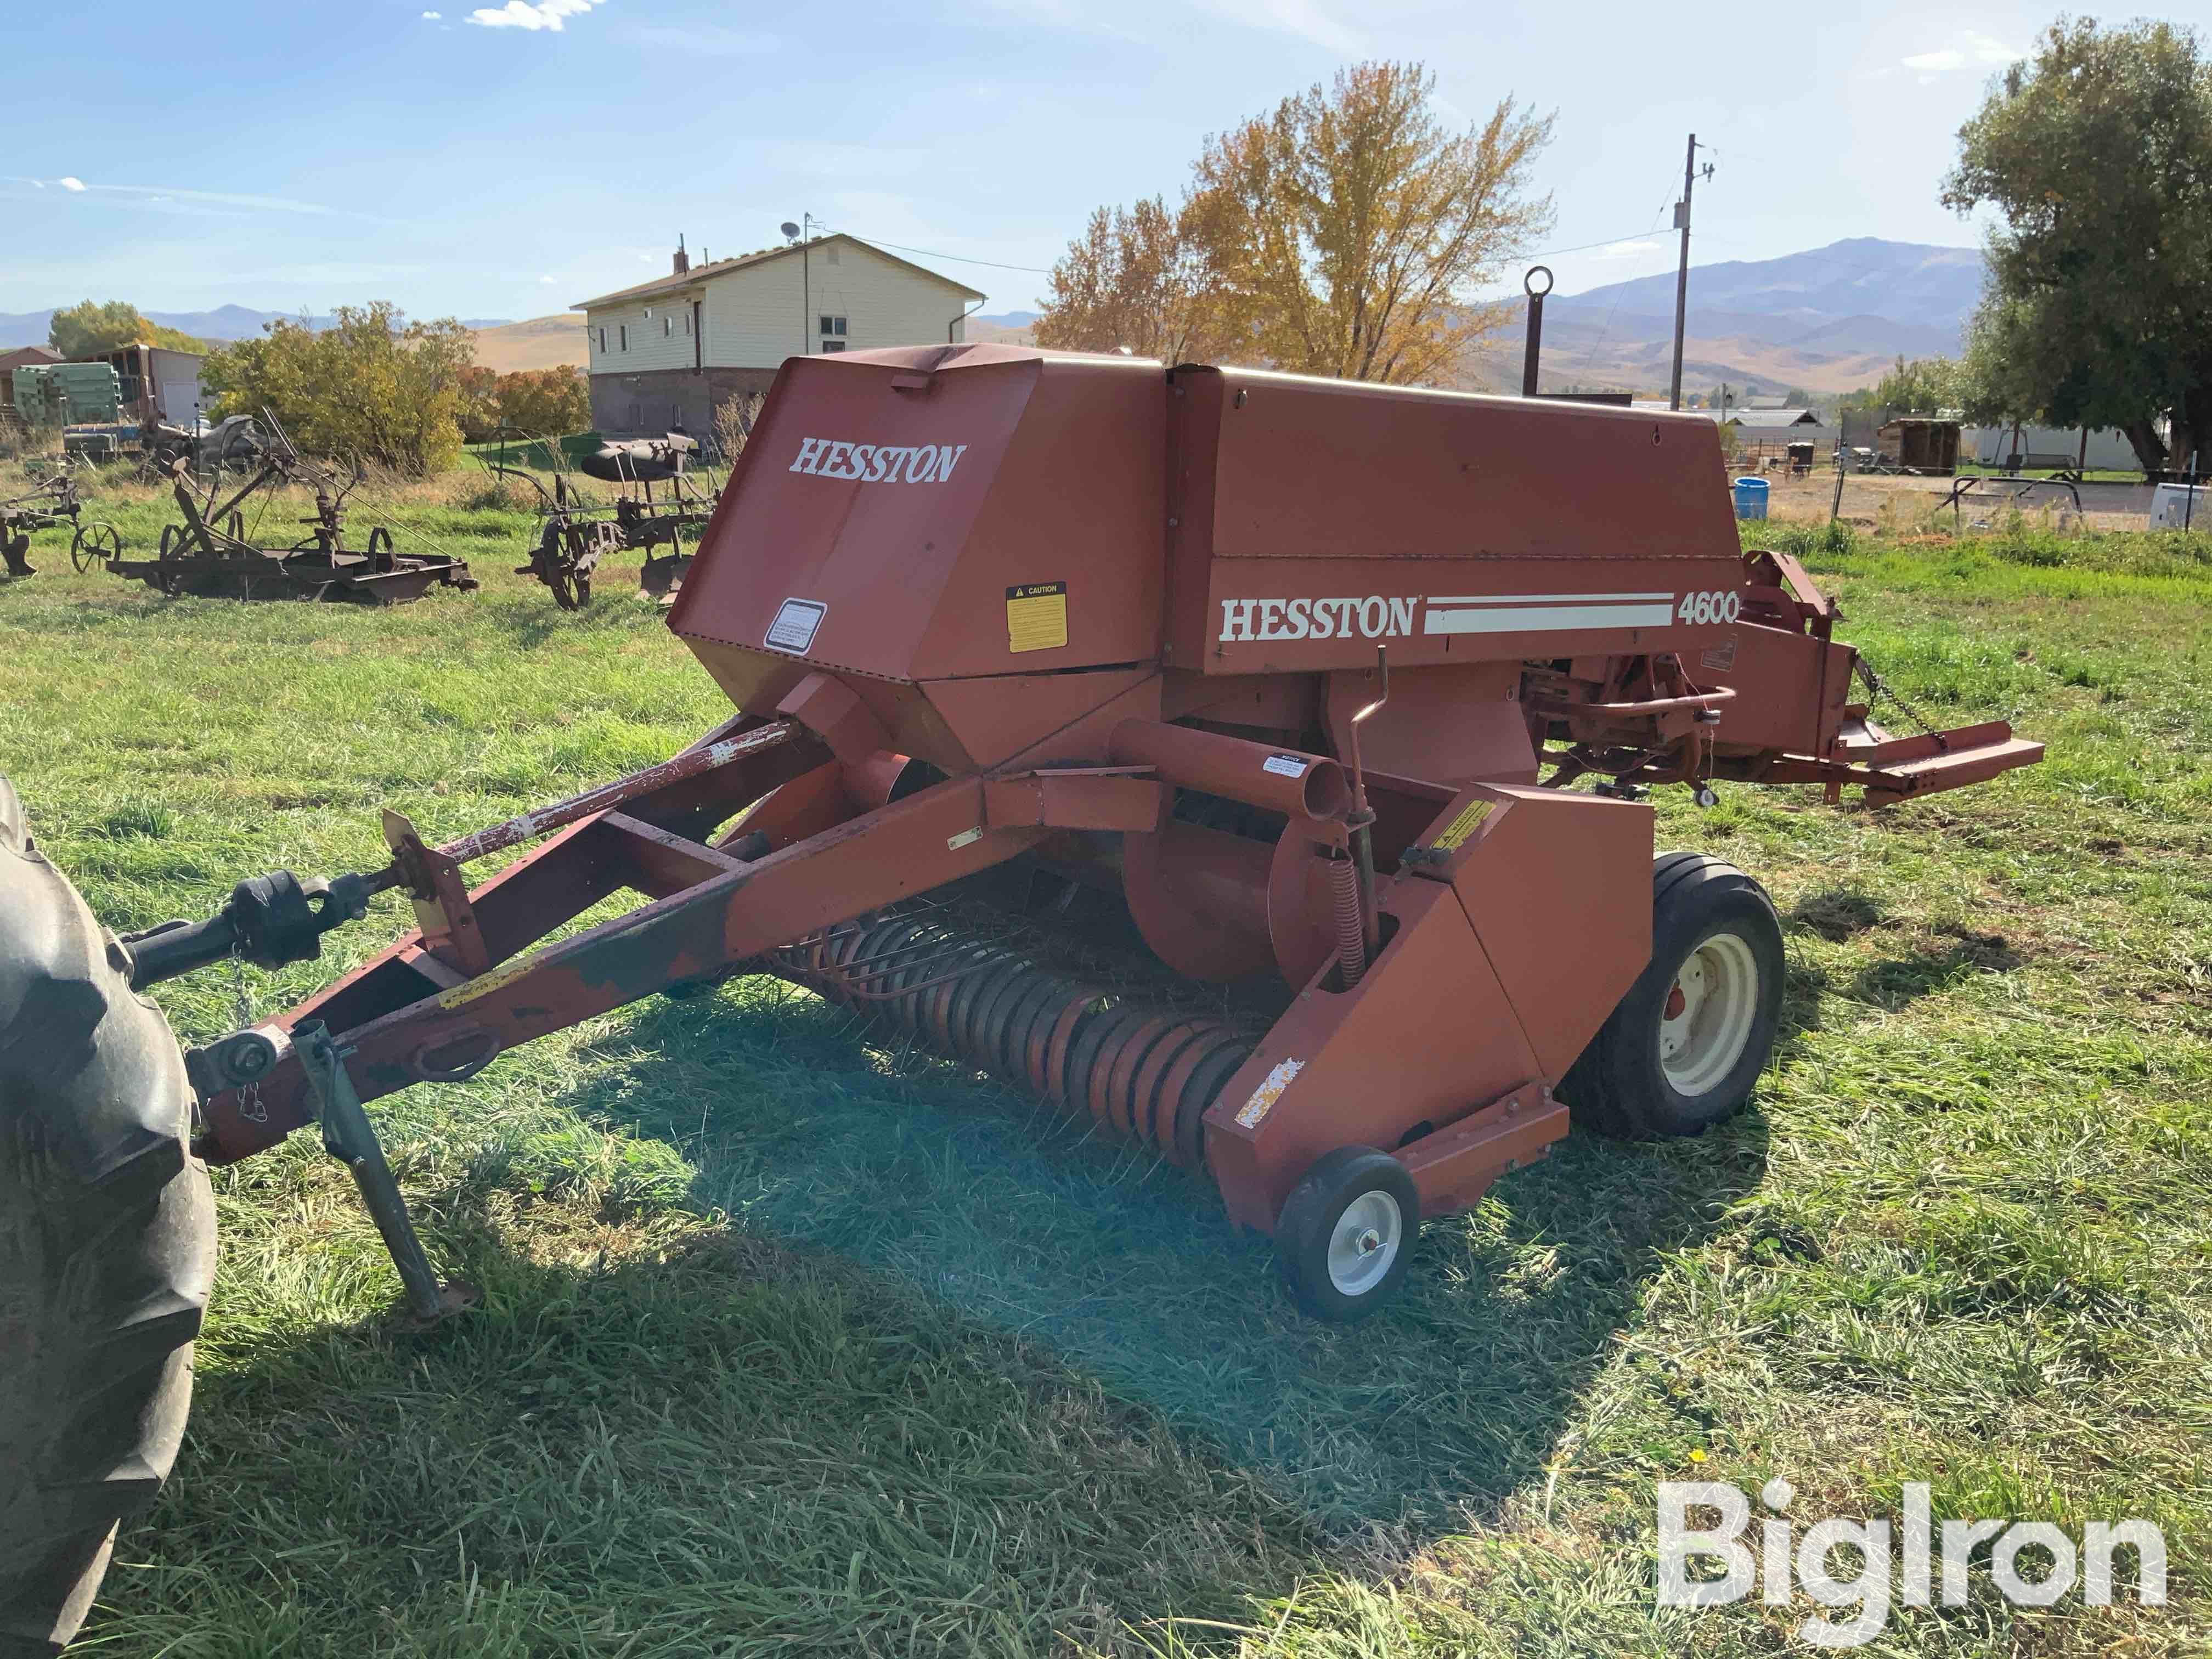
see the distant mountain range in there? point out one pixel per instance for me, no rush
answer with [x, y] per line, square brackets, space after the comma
[1826, 320]
[24, 328]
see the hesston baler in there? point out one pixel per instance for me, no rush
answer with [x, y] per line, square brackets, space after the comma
[1297, 669]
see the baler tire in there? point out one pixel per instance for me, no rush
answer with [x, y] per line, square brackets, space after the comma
[106, 1248]
[1311, 1218]
[1619, 1085]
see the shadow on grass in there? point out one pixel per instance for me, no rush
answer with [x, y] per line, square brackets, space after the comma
[804, 1132]
[1892, 983]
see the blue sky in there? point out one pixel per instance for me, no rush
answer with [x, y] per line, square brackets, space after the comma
[294, 154]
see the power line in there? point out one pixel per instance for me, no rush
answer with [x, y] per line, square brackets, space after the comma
[956, 258]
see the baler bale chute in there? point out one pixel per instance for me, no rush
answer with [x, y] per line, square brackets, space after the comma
[1289, 675]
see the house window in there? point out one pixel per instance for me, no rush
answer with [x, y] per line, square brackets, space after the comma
[667, 326]
[687, 322]
[603, 340]
[622, 332]
[833, 346]
[834, 326]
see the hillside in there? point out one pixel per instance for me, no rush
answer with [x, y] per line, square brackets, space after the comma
[223, 324]
[1828, 319]
[541, 342]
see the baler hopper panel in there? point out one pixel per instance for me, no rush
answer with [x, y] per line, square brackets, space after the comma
[939, 512]
[1316, 519]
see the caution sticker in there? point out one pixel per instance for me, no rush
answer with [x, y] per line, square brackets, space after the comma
[1469, 820]
[1284, 766]
[1037, 616]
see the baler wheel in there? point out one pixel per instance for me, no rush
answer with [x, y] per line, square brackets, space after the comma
[1684, 1047]
[106, 1248]
[1345, 1234]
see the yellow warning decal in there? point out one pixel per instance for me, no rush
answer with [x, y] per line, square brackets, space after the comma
[1037, 616]
[1469, 820]
[484, 984]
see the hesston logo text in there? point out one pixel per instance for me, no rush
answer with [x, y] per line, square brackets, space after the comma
[827, 458]
[1374, 618]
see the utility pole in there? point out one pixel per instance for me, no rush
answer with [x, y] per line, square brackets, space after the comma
[1682, 273]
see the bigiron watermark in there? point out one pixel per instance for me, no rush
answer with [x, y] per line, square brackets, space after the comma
[1933, 1563]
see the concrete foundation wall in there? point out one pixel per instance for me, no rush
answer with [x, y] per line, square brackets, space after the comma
[649, 403]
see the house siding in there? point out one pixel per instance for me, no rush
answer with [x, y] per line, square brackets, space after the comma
[649, 348]
[752, 319]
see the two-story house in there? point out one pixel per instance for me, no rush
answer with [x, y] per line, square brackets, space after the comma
[665, 353]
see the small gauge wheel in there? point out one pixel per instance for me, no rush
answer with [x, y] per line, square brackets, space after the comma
[94, 543]
[379, 550]
[572, 588]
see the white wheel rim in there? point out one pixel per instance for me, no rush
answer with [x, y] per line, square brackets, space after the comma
[1364, 1243]
[1705, 1021]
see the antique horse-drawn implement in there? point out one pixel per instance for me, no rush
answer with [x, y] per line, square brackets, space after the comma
[574, 535]
[50, 503]
[212, 551]
[1286, 674]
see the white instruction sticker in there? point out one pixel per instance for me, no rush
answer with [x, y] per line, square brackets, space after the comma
[965, 838]
[1284, 766]
[1265, 1096]
[792, 630]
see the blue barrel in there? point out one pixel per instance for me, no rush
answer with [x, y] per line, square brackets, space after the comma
[1751, 498]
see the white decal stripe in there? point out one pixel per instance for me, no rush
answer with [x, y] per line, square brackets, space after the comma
[1547, 619]
[1544, 598]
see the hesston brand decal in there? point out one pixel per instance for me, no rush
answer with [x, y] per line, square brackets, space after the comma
[830, 458]
[1385, 616]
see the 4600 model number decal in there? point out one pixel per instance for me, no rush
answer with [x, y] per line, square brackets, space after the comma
[1715, 605]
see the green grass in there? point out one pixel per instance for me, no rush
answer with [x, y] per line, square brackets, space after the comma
[792, 1343]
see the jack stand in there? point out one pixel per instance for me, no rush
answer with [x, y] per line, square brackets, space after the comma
[349, 1137]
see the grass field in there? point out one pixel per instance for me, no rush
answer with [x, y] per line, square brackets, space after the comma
[794, 1344]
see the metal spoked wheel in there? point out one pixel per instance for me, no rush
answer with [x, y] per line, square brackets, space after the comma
[572, 588]
[94, 545]
[1345, 1238]
[1707, 1017]
[379, 549]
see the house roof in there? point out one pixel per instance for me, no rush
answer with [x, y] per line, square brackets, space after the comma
[1771, 420]
[675, 283]
[23, 356]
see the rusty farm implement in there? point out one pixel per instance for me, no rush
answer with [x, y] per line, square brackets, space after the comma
[1289, 676]
[212, 550]
[575, 534]
[48, 505]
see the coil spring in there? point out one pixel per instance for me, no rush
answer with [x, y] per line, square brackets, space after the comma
[1138, 1073]
[1350, 930]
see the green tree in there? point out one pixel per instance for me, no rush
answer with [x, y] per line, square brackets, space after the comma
[93, 330]
[1921, 386]
[2097, 153]
[368, 388]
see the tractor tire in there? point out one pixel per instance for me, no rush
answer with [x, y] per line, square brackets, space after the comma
[106, 1248]
[1684, 1047]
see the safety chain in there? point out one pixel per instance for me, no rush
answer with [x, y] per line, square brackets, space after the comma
[1878, 687]
[241, 1012]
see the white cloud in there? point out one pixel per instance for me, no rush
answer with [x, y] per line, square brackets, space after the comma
[1970, 50]
[548, 281]
[70, 184]
[432, 16]
[522, 15]
[1629, 250]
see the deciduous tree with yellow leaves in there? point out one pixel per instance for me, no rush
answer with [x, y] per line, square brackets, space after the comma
[1343, 234]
